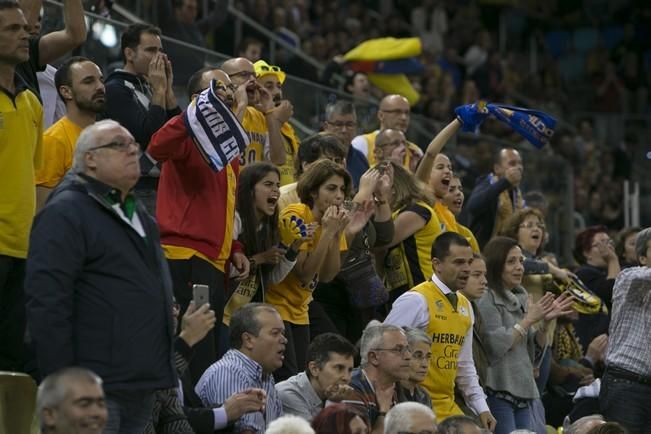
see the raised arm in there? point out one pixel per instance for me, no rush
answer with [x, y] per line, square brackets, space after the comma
[54, 45]
[435, 146]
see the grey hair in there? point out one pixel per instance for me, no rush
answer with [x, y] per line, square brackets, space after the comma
[245, 320]
[53, 390]
[584, 424]
[88, 140]
[642, 240]
[289, 425]
[399, 418]
[456, 424]
[373, 337]
[415, 336]
[340, 107]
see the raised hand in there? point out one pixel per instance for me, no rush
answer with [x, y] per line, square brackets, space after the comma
[537, 310]
[196, 323]
[561, 306]
[360, 217]
[157, 74]
[283, 111]
[271, 256]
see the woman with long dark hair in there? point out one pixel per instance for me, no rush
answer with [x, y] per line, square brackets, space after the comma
[512, 326]
[340, 419]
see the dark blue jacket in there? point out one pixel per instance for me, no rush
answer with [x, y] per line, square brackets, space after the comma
[98, 294]
[480, 211]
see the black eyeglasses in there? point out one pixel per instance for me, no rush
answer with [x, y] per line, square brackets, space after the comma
[340, 125]
[399, 349]
[396, 111]
[118, 146]
[243, 74]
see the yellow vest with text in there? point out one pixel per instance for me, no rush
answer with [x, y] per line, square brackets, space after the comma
[448, 329]
[370, 139]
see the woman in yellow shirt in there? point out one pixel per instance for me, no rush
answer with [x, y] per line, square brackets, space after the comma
[322, 190]
[409, 260]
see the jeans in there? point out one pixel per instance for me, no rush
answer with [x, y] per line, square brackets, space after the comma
[509, 418]
[129, 411]
[626, 402]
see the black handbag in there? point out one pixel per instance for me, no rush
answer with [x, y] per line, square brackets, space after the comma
[363, 285]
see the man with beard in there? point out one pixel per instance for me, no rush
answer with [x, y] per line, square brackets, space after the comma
[272, 78]
[438, 307]
[262, 119]
[195, 212]
[80, 85]
[394, 114]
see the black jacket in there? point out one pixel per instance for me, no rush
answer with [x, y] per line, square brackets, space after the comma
[128, 99]
[98, 294]
[480, 211]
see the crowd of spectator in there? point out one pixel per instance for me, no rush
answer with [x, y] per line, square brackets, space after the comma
[202, 269]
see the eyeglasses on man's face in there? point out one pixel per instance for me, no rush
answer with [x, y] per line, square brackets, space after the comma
[117, 146]
[243, 74]
[340, 125]
[398, 349]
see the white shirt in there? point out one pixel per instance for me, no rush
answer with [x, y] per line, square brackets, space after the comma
[361, 144]
[410, 310]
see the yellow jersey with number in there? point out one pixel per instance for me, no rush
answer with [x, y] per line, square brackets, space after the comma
[290, 144]
[290, 297]
[448, 328]
[255, 125]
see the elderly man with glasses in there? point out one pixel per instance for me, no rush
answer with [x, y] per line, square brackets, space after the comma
[385, 361]
[99, 293]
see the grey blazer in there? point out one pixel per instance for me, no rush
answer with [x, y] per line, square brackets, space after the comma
[509, 369]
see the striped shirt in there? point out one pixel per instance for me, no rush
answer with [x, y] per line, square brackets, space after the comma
[233, 373]
[629, 341]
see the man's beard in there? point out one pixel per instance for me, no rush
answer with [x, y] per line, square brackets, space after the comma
[92, 105]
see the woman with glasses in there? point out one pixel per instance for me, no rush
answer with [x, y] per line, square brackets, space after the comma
[527, 226]
[599, 266]
[513, 326]
[420, 345]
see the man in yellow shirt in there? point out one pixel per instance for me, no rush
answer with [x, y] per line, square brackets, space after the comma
[80, 84]
[262, 119]
[21, 120]
[394, 114]
[437, 307]
[272, 78]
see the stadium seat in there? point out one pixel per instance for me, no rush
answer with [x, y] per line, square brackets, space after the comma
[17, 403]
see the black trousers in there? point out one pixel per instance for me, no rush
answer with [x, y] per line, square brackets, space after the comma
[186, 273]
[12, 314]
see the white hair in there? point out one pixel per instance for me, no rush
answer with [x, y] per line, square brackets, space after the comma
[289, 425]
[54, 389]
[88, 140]
[584, 424]
[399, 418]
[373, 337]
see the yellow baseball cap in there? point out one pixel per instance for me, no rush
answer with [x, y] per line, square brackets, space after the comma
[262, 68]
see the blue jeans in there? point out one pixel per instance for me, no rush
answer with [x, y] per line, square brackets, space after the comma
[509, 418]
[128, 411]
[626, 402]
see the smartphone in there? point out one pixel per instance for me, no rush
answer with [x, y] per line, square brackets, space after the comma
[200, 294]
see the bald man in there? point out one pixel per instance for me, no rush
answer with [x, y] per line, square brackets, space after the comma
[390, 145]
[262, 119]
[198, 240]
[394, 114]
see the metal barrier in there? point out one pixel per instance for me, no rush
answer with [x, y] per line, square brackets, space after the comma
[544, 171]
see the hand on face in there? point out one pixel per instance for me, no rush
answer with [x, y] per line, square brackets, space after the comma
[157, 75]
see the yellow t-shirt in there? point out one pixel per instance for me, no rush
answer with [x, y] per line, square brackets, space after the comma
[255, 124]
[59, 143]
[448, 329]
[180, 252]
[449, 223]
[290, 297]
[21, 135]
[290, 143]
[370, 140]
[418, 246]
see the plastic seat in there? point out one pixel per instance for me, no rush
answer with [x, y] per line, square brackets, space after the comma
[585, 39]
[557, 42]
[17, 403]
